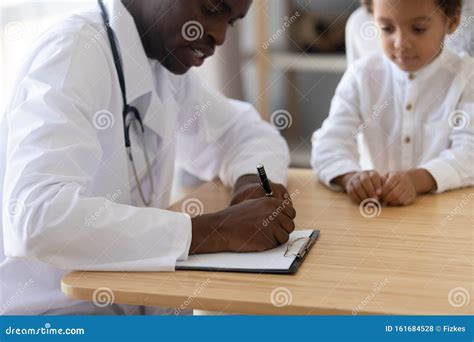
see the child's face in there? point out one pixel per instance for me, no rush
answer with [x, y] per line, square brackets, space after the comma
[413, 31]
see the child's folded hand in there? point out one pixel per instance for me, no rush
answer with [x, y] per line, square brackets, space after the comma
[398, 189]
[363, 185]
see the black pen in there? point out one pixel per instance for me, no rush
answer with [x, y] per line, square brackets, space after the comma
[264, 182]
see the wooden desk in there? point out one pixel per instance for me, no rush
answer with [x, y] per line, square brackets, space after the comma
[411, 260]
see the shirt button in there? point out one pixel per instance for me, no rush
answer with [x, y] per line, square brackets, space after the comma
[409, 107]
[411, 77]
[407, 140]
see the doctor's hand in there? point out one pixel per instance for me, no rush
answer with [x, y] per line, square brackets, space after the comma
[248, 187]
[254, 225]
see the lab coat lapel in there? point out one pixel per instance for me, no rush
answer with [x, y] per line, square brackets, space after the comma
[157, 117]
[138, 72]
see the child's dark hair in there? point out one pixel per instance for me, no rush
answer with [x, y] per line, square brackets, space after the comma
[449, 7]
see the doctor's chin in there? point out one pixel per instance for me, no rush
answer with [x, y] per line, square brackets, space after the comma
[303, 169]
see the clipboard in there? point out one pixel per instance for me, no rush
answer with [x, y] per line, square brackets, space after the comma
[285, 259]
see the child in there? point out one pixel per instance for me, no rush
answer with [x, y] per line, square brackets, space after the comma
[409, 111]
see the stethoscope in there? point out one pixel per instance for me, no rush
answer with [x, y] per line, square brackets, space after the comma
[130, 114]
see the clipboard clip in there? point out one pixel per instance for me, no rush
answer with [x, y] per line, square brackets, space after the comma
[303, 249]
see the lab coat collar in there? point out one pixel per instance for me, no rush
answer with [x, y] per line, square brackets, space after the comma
[424, 73]
[138, 69]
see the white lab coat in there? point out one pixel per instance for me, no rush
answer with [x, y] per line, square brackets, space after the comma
[70, 200]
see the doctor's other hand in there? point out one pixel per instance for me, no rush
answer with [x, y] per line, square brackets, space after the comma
[248, 187]
[253, 225]
[362, 185]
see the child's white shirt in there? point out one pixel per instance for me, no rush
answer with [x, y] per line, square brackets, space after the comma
[385, 119]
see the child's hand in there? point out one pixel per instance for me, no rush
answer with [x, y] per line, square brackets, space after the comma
[362, 185]
[398, 189]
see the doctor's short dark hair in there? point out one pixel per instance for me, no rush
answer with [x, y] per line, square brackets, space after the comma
[449, 7]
